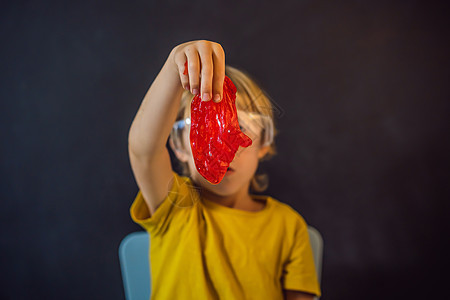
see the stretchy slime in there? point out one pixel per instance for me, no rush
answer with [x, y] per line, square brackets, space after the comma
[215, 135]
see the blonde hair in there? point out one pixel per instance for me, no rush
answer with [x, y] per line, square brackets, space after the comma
[250, 98]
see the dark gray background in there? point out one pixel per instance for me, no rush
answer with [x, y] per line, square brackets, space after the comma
[363, 143]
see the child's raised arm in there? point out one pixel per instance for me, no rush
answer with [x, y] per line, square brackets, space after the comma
[153, 122]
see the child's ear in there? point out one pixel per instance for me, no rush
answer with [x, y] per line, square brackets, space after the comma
[181, 155]
[263, 151]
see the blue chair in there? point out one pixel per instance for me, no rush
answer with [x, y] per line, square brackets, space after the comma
[134, 262]
[316, 241]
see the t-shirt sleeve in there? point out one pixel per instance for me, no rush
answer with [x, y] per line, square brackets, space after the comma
[299, 271]
[179, 200]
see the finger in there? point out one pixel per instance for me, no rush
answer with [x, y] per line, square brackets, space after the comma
[193, 69]
[180, 61]
[219, 73]
[207, 73]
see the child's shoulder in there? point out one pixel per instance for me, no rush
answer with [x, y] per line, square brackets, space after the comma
[285, 210]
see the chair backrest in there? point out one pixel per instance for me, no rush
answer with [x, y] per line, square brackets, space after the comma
[134, 262]
[316, 241]
[315, 238]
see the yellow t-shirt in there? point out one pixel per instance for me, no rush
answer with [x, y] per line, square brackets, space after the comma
[202, 250]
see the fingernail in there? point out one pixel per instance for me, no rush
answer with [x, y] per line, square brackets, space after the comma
[205, 97]
[216, 97]
[195, 91]
[187, 88]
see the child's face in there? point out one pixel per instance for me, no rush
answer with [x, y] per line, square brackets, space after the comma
[244, 164]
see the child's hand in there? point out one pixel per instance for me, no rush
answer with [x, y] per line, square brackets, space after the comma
[205, 68]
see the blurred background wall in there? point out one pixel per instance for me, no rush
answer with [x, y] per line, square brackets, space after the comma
[362, 88]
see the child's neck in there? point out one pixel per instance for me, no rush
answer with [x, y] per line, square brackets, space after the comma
[240, 200]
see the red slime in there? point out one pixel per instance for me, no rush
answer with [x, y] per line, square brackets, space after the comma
[215, 134]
